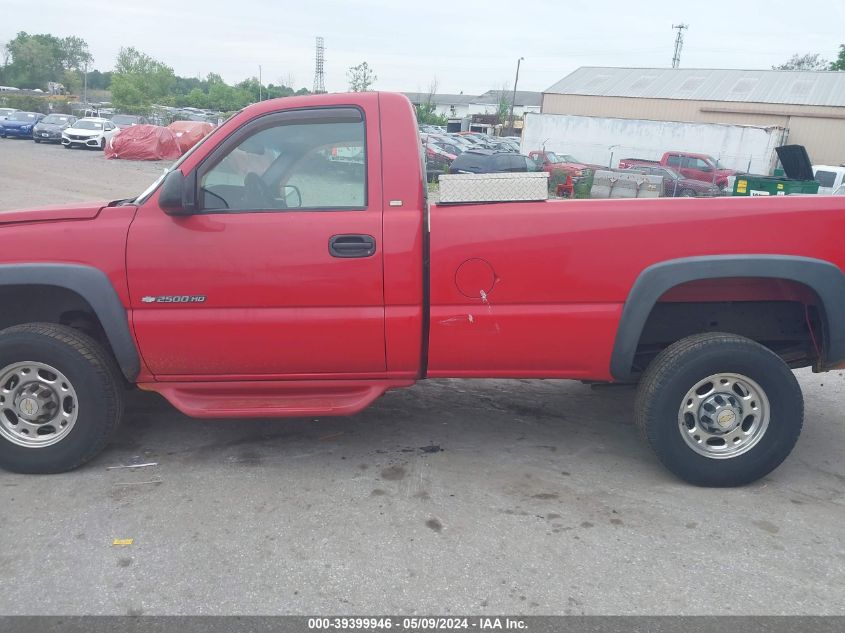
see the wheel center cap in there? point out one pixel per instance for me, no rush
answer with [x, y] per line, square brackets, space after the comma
[29, 407]
[726, 418]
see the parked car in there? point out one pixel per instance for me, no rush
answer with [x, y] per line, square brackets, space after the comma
[487, 161]
[689, 165]
[206, 289]
[189, 133]
[459, 139]
[5, 112]
[830, 178]
[128, 120]
[447, 146]
[553, 162]
[502, 145]
[89, 132]
[50, 128]
[437, 160]
[676, 186]
[19, 124]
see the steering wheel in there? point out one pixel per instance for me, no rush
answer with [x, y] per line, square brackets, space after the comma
[257, 194]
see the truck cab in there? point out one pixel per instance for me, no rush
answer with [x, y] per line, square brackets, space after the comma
[698, 167]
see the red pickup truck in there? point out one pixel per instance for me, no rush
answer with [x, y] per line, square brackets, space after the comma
[552, 162]
[693, 166]
[259, 277]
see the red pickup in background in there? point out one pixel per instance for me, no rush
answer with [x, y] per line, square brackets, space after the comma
[690, 165]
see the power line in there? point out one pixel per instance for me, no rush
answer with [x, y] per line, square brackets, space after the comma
[679, 44]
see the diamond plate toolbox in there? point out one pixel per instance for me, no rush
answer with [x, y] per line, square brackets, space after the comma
[507, 187]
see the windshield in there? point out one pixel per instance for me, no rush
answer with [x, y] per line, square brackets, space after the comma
[22, 116]
[142, 198]
[671, 173]
[57, 119]
[88, 125]
[552, 157]
[124, 118]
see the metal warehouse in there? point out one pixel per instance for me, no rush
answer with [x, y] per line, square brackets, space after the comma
[810, 106]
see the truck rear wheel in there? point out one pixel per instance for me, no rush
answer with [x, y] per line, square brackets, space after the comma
[719, 409]
[61, 398]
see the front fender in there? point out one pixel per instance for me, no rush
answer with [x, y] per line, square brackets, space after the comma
[94, 287]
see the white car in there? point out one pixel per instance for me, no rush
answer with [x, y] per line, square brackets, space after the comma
[89, 132]
[829, 177]
[5, 112]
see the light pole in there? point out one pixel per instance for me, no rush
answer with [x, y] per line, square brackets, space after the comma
[513, 99]
[259, 82]
[85, 88]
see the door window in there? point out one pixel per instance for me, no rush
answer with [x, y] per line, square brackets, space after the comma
[675, 160]
[310, 163]
[826, 178]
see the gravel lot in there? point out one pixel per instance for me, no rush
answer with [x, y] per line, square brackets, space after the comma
[475, 497]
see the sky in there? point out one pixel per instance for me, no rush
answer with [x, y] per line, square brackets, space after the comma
[466, 46]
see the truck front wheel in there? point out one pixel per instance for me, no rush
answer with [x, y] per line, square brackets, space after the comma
[719, 409]
[61, 398]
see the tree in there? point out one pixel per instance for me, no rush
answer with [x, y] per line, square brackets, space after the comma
[503, 108]
[34, 60]
[808, 61]
[839, 64]
[427, 109]
[139, 80]
[361, 78]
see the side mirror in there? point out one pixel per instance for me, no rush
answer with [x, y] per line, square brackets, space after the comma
[293, 197]
[178, 194]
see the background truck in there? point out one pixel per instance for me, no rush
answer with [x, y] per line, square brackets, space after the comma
[699, 167]
[603, 140]
[259, 277]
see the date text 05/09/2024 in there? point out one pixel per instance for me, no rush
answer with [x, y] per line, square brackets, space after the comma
[416, 624]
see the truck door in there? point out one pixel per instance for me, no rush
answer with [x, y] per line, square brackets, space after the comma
[279, 272]
[698, 169]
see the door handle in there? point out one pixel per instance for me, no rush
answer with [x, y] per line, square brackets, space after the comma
[346, 246]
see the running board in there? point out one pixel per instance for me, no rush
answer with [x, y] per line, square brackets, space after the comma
[273, 399]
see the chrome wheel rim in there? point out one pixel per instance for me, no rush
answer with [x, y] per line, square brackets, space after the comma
[723, 416]
[38, 404]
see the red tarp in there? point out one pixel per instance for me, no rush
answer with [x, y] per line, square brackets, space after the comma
[143, 142]
[189, 133]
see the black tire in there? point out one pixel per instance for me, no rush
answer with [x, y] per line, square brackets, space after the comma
[96, 380]
[678, 368]
[68, 146]
[37, 140]
[102, 144]
[687, 193]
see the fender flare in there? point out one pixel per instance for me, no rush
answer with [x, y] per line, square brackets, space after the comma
[824, 278]
[94, 286]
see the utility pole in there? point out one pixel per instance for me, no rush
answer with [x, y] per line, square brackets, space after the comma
[259, 82]
[319, 74]
[85, 88]
[679, 44]
[513, 98]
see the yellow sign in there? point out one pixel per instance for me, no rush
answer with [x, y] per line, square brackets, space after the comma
[122, 541]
